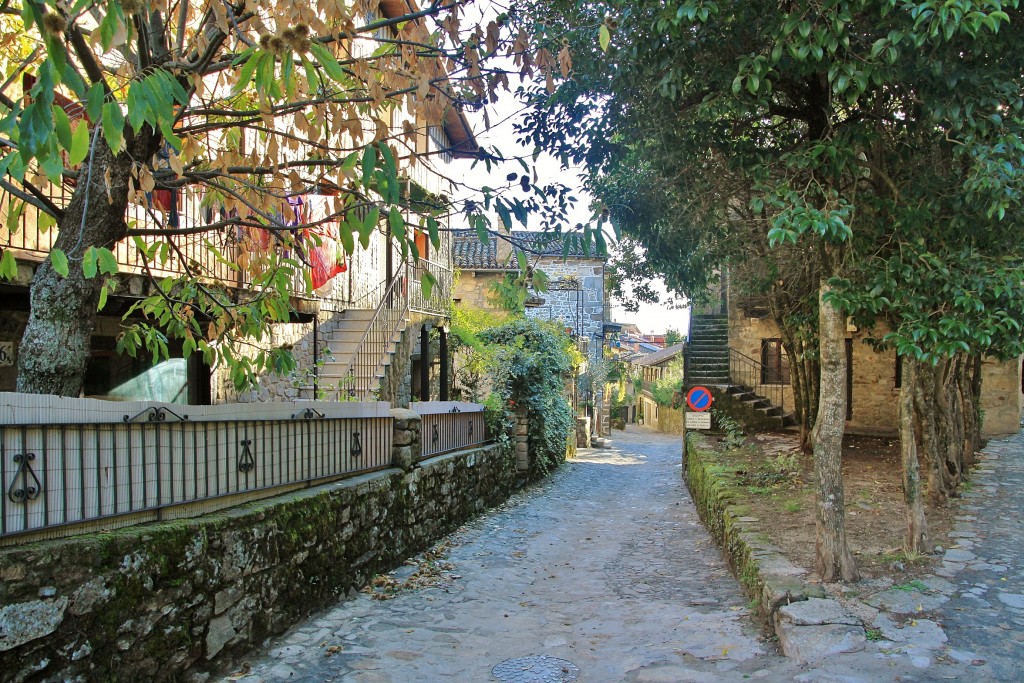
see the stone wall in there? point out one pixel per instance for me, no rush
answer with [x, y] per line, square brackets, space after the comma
[472, 288]
[575, 297]
[1002, 401]
[166, 601]
[767, 577]
[874, 392]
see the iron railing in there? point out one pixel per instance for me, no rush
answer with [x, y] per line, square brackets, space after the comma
[210, 254]
[363, 374]
[68, 462]
[450, 426]
[749, 374]
[440, 294]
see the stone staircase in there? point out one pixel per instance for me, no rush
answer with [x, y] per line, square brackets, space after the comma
[709, 350]
[709, 364]
[761, 404]
[339, 345]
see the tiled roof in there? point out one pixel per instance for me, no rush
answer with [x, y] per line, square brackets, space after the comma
[550, 244]
[663, 355]
[469, 253]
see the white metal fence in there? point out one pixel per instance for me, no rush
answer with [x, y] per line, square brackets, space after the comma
[66, 462]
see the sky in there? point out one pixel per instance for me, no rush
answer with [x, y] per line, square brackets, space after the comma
[650, 319]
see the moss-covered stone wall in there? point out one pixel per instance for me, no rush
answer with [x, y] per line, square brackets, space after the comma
[160, 602]
[768, 578]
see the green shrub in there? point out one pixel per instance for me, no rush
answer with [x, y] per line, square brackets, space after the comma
[528, 363]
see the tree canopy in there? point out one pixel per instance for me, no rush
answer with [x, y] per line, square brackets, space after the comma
[243, 106]
[846, 153]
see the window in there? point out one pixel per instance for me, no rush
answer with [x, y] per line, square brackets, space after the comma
[441, 143]
[849, 379]
[774, 362]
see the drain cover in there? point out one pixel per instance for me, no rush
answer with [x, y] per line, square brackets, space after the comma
[536, 669]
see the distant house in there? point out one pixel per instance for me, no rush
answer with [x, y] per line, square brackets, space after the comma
[575, 297]
[650, 369]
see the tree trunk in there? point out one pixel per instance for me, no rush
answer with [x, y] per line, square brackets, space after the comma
[917, 528]
[948, 440]
[953, 473]
[833, 558]
[924, 404]
[56, 344]
[972, 422]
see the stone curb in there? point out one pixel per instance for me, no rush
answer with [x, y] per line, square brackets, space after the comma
[817, 629]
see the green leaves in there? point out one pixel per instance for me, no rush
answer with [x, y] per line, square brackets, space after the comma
[79, 144]
[99, 260]
[113, 126]
[8, 265]
[59, 261]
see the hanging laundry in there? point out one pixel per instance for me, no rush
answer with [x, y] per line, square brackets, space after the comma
[326, 255]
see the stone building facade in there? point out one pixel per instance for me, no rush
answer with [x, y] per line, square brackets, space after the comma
[575, 297]
[874, 390]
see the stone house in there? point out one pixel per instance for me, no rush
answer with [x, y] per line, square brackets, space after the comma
[650, 369]
[367, 331]
[575, 297]
[738, 337]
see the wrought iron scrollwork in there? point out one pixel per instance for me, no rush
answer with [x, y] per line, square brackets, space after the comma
[155, 414]
[436, 436]
[470, 429]
[308, 414]
[356, 447]
[455, 410]
[30, 486]
[246, 460]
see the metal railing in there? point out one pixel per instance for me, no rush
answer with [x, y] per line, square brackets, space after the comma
[450, 426]
[362, 376]
[749, 374]
[197, 252]
[440, 294]
[68, 462]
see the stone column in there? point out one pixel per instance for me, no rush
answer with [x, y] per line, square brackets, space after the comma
[521, 441]
[583, 432]
[406, 444]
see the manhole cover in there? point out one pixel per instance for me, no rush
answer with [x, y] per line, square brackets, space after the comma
[536, 669]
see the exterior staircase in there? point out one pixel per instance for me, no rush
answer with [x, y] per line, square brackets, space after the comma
[712, 362]
[343, 342]
[359, 346]
[761, 404]
[708, 350]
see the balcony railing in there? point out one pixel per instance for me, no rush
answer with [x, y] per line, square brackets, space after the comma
[71, 465]
[212, 254]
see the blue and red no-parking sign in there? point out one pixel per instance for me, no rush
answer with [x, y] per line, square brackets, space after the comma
[699, 399]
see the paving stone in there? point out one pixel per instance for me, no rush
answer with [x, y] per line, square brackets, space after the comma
[816, 612]
[814, 643]
[606, 564]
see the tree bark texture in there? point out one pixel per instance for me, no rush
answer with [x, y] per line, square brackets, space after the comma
[833, 558]
[924, 404]
[972, 423]
[57, 340]
[946, 405]
[917, 527]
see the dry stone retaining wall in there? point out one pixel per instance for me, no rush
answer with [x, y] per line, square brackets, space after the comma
[161, 602]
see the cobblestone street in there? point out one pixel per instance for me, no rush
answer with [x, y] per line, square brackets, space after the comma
[984, 618]
[602, 573]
